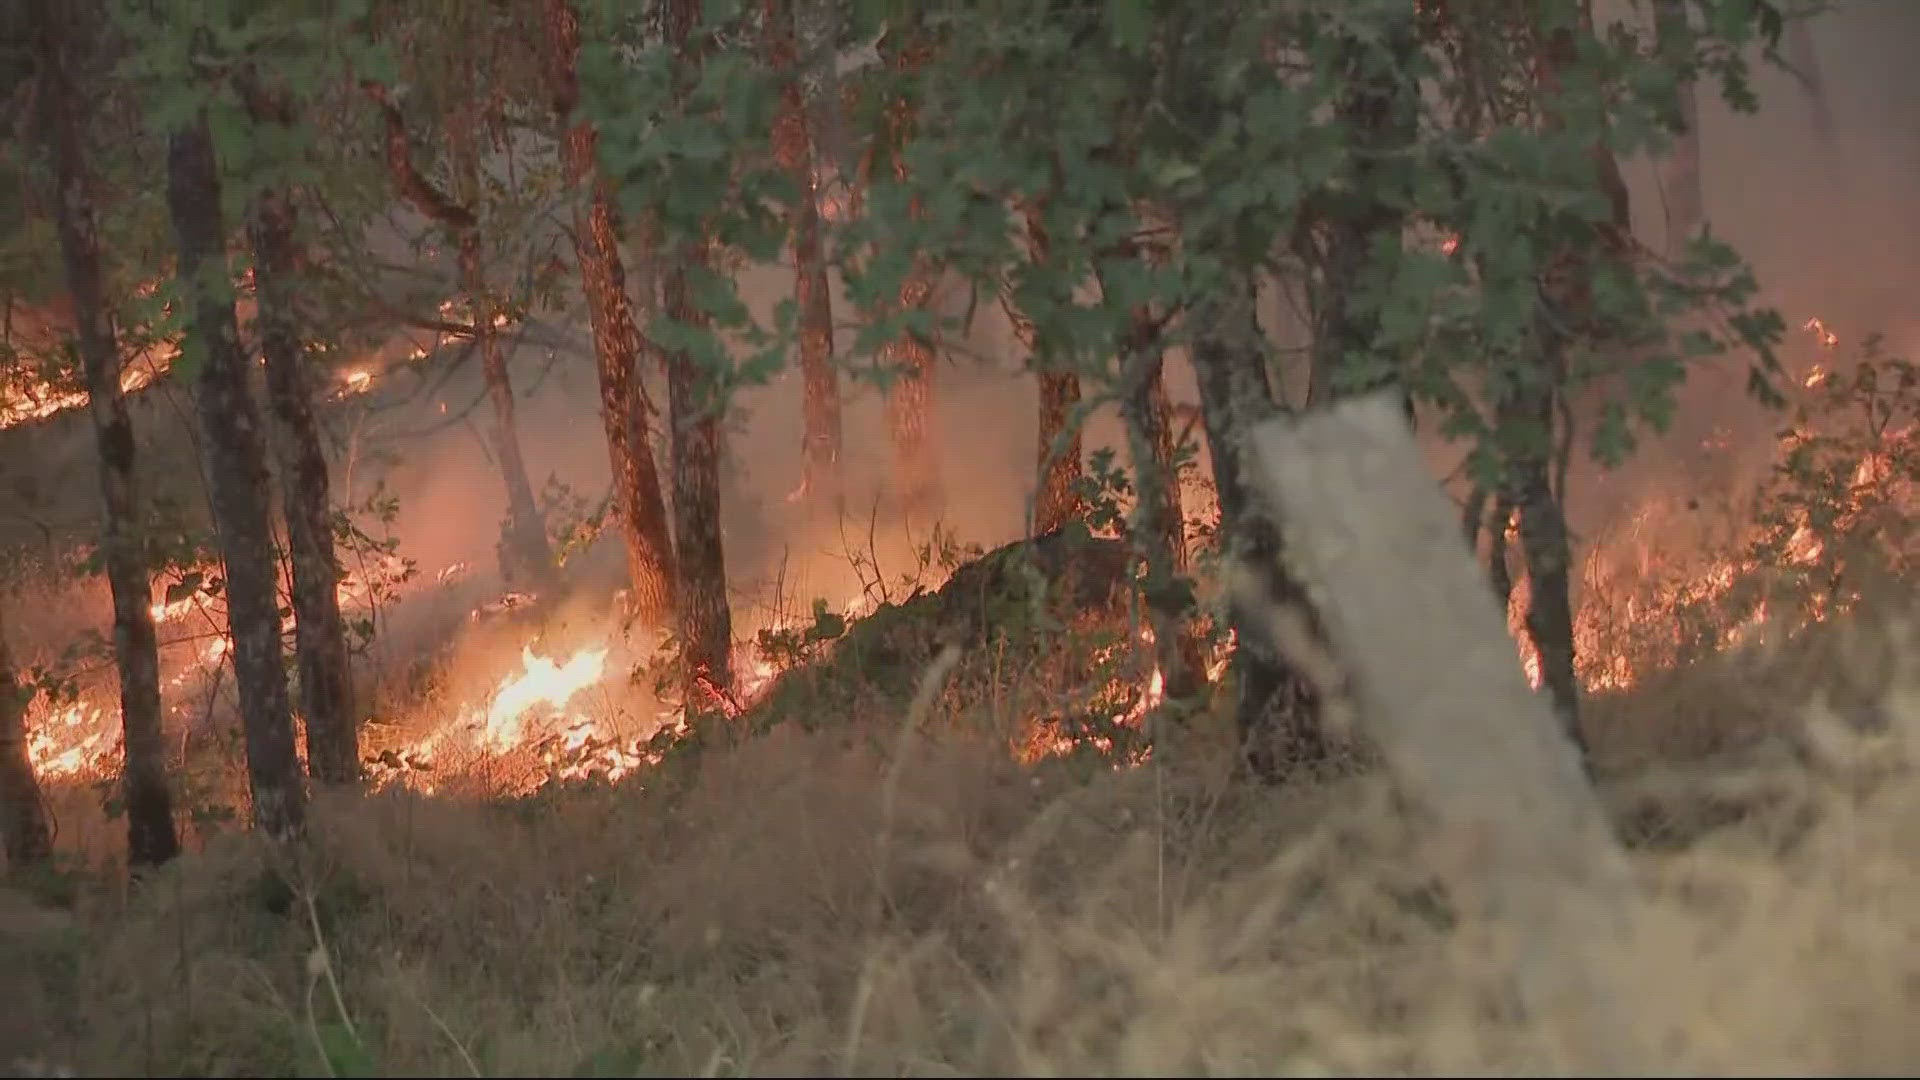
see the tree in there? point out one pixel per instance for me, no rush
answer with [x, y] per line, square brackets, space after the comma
[320, 636]
[616, 342]
[793, 148]
[524, 551]
[24, 834]
[706, 620]
[151, 837]
[908, 356]
[1682, 187]
[236, 466]
[1057, 498]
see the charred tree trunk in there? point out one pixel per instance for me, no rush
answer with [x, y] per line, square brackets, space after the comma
[23, 816]
[151, 837]
[320, 634]
[706, 621]
[616, 341]
[1546, 551]
[524, 554]
[1056, 500]
[1497, 572]
[1680, 173]
[793, 147]
[236, 464]
[1276, 709]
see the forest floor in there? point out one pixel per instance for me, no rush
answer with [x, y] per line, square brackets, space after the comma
[881, 898]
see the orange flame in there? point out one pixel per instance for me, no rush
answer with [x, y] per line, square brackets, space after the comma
[541, 681]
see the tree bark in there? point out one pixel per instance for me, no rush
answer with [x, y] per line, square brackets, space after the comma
[236, 464]
[1526, 412]
[706, 621]
[1362, 214]
[320, 633]
[1057, 498]
[616, 341]
[793, 147]
[1157, 530]
[910, 355]
[151, 837]
[524, 554]
[1276, 709]
[23, 816]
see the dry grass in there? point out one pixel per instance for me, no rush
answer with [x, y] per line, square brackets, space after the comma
[885, 901]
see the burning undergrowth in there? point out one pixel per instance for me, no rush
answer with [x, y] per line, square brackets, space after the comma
[803, 902]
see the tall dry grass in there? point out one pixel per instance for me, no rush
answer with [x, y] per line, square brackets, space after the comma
[891, 900]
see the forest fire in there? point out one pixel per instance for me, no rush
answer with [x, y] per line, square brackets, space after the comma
[26, 396]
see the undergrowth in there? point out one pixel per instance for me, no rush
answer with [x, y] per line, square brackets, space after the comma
[906, 898]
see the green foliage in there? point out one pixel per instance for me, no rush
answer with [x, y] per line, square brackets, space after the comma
[1838, 515]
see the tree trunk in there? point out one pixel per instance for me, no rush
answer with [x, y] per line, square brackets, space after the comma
[1156, 418]
[1363, 214]
[1680, 173]
[236, 464]
[1526, 415]
[1806, 63]
[910, 355]
[706, 621]
[524, 555]
[1276, 709]
[1548, 555]
[320, 634]
[151, 837]
[910, 403]
[616, 341]
[1156, 531]
[23, 817]
[793, 147]
[1057, 498]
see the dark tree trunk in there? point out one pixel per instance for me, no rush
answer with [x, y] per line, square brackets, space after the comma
[23, 817]
[320, 634]
[1277, 710]
[1526, 413]
[616, 341]
[1497, 572]
[236, 464]
[1156, 531]
[151, 837]
[706, 621]
[1548, 556]
[1680, 173]
[793, 146]
[524, 554]
[1363, 214]
[1156, 418]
